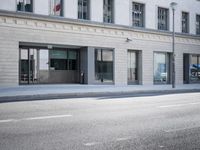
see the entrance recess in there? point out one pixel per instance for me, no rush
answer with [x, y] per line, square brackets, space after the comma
[45, 66]
[28, 66]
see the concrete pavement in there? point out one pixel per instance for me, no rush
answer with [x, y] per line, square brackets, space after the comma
[30, 92]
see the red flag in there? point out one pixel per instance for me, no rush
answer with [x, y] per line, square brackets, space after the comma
[57, 7]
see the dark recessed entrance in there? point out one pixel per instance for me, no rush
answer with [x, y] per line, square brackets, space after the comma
[49, 66]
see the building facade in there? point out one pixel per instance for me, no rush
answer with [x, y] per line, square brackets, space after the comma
[120, 42]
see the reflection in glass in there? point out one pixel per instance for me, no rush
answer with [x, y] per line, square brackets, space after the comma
[195, 68]
[63, 60]
[108, 11]
[56, 8]
[132, 66]
[83, 9]
[25, 5]
[104, 65]
[24, 67]
[28, 65]
[160, 68]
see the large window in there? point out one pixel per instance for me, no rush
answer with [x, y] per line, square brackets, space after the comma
[198, 24]
[195, 68]
[132, 64]
[104, 65]
[83, 9]
[161, 68]
[185, 22]
[163, 18]
[138, 14]
[56, 7]
[25, 5]
[108, 11]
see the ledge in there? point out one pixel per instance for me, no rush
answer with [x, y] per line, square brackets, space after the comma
[56, 19]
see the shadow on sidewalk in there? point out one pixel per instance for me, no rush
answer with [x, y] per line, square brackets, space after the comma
[98, 96]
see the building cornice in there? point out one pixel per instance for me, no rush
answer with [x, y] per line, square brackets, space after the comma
[56, 19]
[60, 24]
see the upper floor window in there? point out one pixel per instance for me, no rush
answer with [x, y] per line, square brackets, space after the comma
[185, 22]
[138, 14]
[56, 7]
[108, 11]
[25, 5]
[198, 24]
[83, 9]
[163, 18]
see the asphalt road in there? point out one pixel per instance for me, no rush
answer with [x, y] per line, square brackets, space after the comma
[163, 122]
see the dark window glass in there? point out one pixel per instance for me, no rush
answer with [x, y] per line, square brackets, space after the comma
[195, 68]
[185, 22]
[83, 9]
[163, 19]
[56, 7]
[138, 14]
[63, 60]
[58, 64]
[104, 65]
[108, 11]
[72, 60]
[25, 5]
[198, 24]
[58, 59]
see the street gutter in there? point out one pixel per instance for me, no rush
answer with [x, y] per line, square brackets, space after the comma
[116, 94]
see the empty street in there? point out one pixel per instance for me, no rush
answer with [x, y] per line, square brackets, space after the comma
[143, 122]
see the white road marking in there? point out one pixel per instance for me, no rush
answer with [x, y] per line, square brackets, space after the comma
[8, 120]
[47, 117]
[91, 143]
[161, 146]
[180, 129]
[35, 118]
[178, 105]
[123, 139]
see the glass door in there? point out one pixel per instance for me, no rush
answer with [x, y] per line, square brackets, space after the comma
[24, 66]
[28, 66]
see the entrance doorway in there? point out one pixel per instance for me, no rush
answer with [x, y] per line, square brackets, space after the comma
[28, 66]
[44, 66]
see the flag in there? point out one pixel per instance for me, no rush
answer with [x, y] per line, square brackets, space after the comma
[57, 8]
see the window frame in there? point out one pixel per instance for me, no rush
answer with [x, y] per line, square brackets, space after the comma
[24, 11]
[112, 11]
[197, 31]
[168, 67]
[187, 22]
[143, 16]
[167, 19]
[62, 8]
[99, 76]
[88, 10]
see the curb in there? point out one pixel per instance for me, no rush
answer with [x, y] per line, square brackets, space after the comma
[7, 99]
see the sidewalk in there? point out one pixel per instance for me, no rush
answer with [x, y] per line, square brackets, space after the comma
[31, 92]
